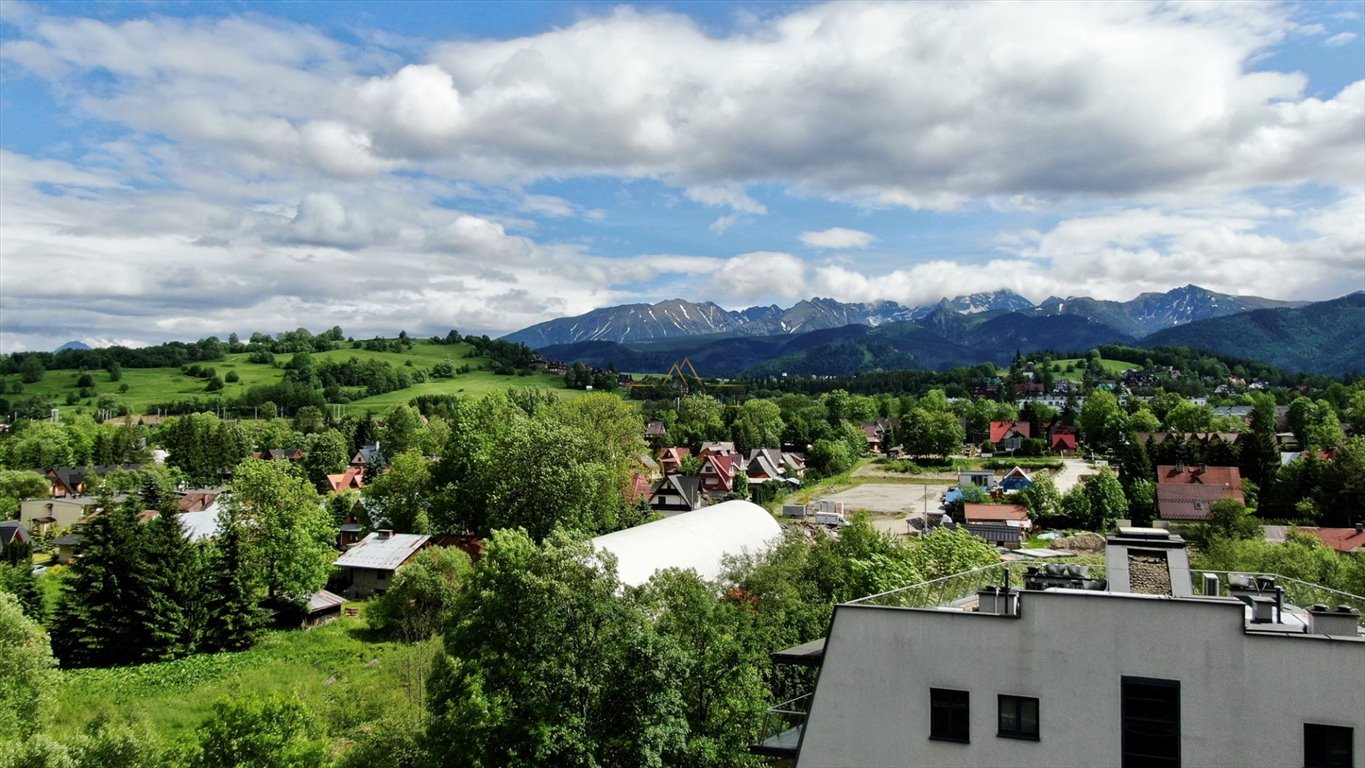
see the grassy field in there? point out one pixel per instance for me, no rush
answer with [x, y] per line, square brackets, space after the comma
[1111, 367]
[342, 673]
[148, 386]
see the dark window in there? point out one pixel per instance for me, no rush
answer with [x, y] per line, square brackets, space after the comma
[1151, 723]
[1018, 717]
[1327, 746]
[948, 715]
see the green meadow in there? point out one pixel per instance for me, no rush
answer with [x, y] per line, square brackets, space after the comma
[141, 388]
[343, 673]
[1111, 367]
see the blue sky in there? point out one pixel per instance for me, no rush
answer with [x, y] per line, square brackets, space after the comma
[176, 170]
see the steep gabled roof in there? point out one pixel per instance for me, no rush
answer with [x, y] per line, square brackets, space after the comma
[1002, 429]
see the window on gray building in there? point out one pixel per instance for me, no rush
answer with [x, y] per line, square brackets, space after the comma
[949, 713]
[1018, 717]
[1327, 746]
[1151, 723]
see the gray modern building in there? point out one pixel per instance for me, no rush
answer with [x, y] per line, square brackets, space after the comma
[1051, 667]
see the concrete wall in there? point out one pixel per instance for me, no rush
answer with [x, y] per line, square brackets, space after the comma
[367, 581]
[1244, 698]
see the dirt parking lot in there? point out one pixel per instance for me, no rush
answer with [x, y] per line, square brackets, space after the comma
[888, 499]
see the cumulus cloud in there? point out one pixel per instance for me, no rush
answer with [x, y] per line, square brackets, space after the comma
[837, 238]
[265, 172]
[761, 276]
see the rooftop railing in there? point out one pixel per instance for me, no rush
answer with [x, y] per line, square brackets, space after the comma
[949, 590]
[782, 726]
[1303, 594]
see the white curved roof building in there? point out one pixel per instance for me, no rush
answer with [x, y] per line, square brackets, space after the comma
[697, 540]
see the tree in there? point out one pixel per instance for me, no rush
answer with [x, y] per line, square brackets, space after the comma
[1106, 500]
[397, 499]
[1228, 519]
[740, 486]
[232, 617]
[1041, 498]
[31, 370]
[422, 595]
[758, 424]
[540, 658]
[945, 551]
[30, 672]
[402, 426]
[931, 433]
[96, 619]
[1102, 421]
[721, 677]
[166, 580]
[291, 534]
[17, 485]
[325, 453]
[260, 732]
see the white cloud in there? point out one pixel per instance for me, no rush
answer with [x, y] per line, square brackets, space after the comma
[761, 276]
[733, 197]
[1339, 39]
[722, 225]
[266, 175]
[837, 238]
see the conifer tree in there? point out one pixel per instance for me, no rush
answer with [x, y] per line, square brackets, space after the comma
[95, 622]
[233, 618]
[166, 587]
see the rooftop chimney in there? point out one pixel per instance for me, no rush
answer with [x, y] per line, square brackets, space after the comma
[385, 533]
[1343, 621]
[1148, 561]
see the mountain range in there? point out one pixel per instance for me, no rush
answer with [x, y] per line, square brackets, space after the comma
[675, 318]
[826, 337]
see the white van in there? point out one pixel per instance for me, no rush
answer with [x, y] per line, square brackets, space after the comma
[832, 519]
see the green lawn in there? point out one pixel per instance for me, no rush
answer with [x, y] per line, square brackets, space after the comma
[1114, 368]
[147, 386]
[344, 675]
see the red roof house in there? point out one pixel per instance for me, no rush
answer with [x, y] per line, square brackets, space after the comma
[718, 473]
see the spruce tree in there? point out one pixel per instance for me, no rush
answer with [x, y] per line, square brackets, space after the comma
[95, 622]
[233, 617]
[166, 589]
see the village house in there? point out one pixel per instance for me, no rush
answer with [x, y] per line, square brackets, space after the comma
[291, 455]
[717, 473]
[676, 493]
[370, 564]
[1009, 435]
[1016, 480]
[368, 455]
[1347, 541]
[716, 448]
[1061, 439]
[1187, 493]
[71, 481]
[350, 480]
[56, 514]
[13, 532]
[671, 459]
